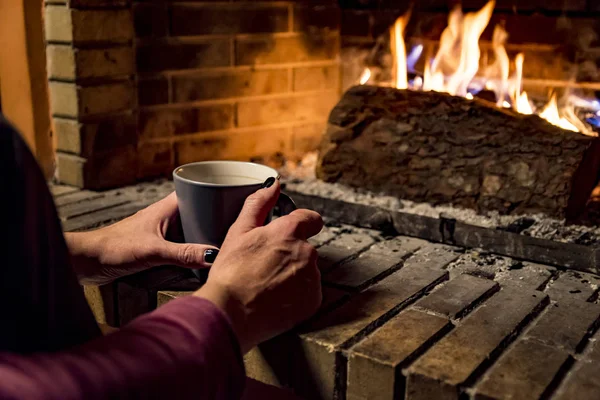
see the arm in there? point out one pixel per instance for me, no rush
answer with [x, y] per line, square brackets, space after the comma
[185, 349]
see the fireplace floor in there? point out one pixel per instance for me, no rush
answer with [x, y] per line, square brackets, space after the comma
[402, 315]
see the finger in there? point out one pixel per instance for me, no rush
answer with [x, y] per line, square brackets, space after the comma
[186, 255]
[302, 223]
[256, 209]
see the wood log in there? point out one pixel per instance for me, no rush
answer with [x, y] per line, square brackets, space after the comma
[436, 148]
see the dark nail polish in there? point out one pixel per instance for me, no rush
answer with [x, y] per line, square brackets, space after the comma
[210, 255]
[268, 183]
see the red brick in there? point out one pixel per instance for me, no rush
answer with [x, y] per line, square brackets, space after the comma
[317, 78]
[229, 84]
[158, 57]
[233, 145]
[286, 109]
[224, 18]
[356, 23]
[155, 159]
[169, 122]
[70, 100]
[316, 18]
[96, 3]
[451, 361]
[275, 50]
[153, 91]
[150, 19]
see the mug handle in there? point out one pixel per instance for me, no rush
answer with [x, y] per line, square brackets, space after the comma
[285, 205]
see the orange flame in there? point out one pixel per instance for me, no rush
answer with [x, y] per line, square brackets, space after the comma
[550, 114]
[520, 100]
[399, 51]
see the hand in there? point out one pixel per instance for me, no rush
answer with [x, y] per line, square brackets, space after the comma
[134, 244]
[265, 278]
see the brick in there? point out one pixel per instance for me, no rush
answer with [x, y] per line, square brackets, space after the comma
[297, 108]
[155, 159]
[373, 363]
[565, 325]
[223, 19]
[151, 19]
[82, 26]
[101, 300]
[373, 262]
[525, 371]
[531, 276]
[268, 362]
[572, 285]
[229, 84]
[171, 121]
[316, 78]
[183, 55]
[307, 137]
[86, 139]
[316, 18]
[341, 248]
[275, 50]
[60, 62]
[332, 296]
[165, 296]
[104, 170]
[451, 361]
[98, 3]
[153, 91]
[233, 145]
[582, 383]
[458, 296]
[323, 237]
[85, 207]
[318, 361]
[67, 99]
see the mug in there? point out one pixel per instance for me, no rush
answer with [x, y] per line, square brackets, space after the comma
[211, 194]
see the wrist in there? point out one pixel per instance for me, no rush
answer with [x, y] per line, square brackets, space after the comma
[231, 308]
[85, 249]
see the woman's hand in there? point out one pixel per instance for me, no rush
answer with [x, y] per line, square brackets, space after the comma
[265, 278]
[135, 244]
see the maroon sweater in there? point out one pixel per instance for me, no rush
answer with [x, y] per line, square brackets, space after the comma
[50, 346]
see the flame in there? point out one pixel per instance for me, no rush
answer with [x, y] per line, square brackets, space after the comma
[365, 76]
[399, 51]
[455, 66]
[550, 114]
[520, 100]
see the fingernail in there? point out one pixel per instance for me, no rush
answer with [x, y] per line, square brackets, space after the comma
[210, 255]
[268, 183]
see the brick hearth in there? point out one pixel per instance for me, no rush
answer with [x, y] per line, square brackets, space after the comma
[402, 317]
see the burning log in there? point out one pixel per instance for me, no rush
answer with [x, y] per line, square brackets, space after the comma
[433, 147]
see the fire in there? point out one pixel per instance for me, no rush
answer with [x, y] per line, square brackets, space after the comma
[399, 51]
[455, 68]
[550, 114]
[366, 75]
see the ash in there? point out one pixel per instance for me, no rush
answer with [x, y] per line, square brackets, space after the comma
[301, 178]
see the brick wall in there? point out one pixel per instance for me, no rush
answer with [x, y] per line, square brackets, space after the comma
[138, 87]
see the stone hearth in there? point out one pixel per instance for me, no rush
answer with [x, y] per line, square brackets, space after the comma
[413, 307]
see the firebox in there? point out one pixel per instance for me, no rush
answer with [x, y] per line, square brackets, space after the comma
[138, 87]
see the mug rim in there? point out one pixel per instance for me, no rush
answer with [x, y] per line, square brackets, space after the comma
[219, 185]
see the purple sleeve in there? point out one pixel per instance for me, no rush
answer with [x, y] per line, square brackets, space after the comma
[185, 349]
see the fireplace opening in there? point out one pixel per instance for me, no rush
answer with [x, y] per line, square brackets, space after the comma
[139, 87]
